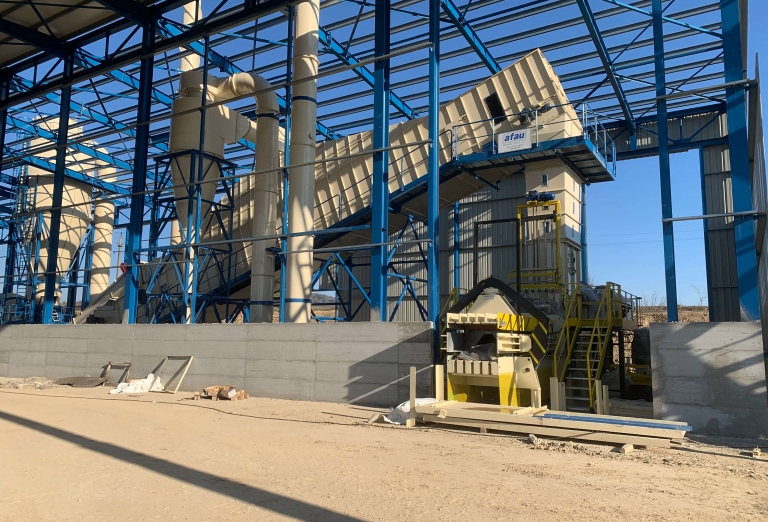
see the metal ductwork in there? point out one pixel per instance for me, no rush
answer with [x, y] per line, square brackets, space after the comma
[301, 180]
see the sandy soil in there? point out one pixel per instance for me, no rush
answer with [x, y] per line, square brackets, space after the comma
[82, 455]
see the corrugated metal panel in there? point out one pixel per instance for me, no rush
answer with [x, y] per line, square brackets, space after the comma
[721, 243]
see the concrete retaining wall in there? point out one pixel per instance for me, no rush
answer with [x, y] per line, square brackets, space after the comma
[712, 376]
[361, 363]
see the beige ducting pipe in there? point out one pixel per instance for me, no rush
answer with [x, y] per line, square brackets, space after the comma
[103, 226]
[189, 62]
[263, 189]
[301, 192]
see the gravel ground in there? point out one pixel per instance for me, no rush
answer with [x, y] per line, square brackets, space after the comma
[82, 455]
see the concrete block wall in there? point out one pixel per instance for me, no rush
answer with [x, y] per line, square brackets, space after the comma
[712, 376]
[359, 363]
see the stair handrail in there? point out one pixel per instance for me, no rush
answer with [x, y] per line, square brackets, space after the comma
[599, 323]
[567, 337]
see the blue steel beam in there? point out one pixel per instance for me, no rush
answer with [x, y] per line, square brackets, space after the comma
[74, 175]
[664, 166]
[44, 42]
[347, 58]
[665, 18]
[741, 183]
[57, 198]
[20, 85]
[433, 181]
[38, 131]
[610, 71]
[380, 175]
[470, 35]
[139, 182]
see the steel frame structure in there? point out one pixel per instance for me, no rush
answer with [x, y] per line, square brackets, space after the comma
[632, 61]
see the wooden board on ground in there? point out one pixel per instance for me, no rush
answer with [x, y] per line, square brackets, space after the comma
[180, 373]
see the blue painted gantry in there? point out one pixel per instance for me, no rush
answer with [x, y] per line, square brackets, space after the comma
[33, 80]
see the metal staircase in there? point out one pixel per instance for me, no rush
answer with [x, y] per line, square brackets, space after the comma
[583, 344]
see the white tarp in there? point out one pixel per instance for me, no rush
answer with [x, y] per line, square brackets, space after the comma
[400, 414]
[139, 386]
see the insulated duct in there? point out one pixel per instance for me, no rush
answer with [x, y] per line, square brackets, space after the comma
[301, 180]
[223, 126]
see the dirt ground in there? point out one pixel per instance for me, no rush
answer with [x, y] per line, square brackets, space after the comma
[83, 455]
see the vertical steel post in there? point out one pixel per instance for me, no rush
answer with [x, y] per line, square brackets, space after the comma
[58, 195]
[286, 156]
[139, 181]
[10, 253]
[380, 182]
[456, 239]
[433, 183]
[584, 256]
[741, 183]
[664, 169]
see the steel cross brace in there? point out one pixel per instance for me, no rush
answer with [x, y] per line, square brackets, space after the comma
[470, 35]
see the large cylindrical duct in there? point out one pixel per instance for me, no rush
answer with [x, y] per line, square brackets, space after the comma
[301, 180]
[189, 62]
[263, 189]
[103, 226]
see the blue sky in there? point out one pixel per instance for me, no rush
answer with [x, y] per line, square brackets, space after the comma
[624, 217]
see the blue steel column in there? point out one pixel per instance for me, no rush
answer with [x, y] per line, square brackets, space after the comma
[741, 183]
[58, 195]
[433, 183]
[664, 169]
[286, 155]
[584, 256]
[10, 252]
[380, 183]
[139, 183]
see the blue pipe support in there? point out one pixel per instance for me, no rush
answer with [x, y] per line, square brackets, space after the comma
[433, 183]
[380, 175]
[57, 197]
[664, 167]
[286, 155]
[741, 183]
[139, 181]
[456, 239]
[584, 256]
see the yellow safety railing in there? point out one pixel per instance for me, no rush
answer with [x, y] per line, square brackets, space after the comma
[609, 308]
[568, 335]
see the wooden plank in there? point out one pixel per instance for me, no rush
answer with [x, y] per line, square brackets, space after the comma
[526, 420]
[614, 417]
[606, 400]
[439, 383]
[411, 422]
[559, 433]
[554, 394]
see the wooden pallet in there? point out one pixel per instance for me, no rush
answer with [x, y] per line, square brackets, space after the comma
[546, 423]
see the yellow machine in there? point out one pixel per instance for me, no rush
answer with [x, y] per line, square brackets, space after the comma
[495, 347]
[502, 344]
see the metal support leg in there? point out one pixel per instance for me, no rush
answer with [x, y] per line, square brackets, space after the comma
[664, 169]
[10, 253]
[741, 183]
[622, 368]
[380, 183]
[139, 182]
[58, 196]
[433, 183]
[584, 256]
